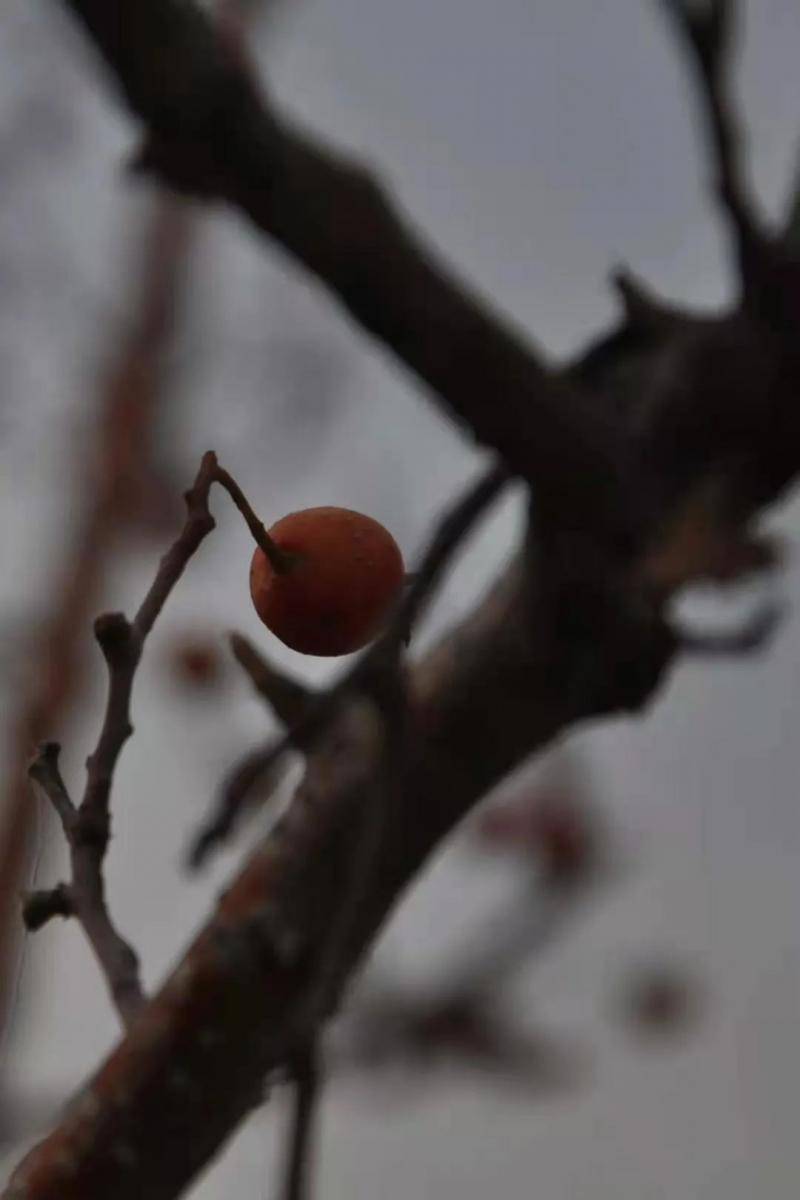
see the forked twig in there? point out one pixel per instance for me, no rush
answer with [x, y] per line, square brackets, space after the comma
[87, 826]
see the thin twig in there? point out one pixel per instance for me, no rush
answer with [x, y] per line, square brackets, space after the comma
[87, 827]
[122, 642]
[306, 1082]
[450, 531]
[280, 560]
[84, 896]
[706, 30]
[293, 704]
[381, 804]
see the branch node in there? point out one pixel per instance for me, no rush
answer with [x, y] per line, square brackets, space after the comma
[39, 907]
[44, 771]
[92, 828]
[114, 635]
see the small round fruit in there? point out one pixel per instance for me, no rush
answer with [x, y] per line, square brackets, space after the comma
[345, 571]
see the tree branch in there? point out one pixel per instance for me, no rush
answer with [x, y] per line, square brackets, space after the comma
[306, 1086]
[84, 897]
[211, 132]
[706, 29]
[87, 827]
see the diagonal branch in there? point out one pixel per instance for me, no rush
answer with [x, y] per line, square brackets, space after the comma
[237, 1005]
[211, 132]
[122, 641]
[244, 996]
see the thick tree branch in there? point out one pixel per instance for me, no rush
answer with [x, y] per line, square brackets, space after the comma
[237, 1005]
[211, 132]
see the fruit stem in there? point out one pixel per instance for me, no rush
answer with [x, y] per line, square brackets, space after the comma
[281, 561]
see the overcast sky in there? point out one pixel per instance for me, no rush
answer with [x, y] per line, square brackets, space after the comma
[538, 143]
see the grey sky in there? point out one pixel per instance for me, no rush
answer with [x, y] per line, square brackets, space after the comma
[537, 142]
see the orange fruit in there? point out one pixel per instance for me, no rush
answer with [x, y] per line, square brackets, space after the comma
[344, 573]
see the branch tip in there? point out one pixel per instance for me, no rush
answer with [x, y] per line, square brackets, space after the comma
[289, 699]
[642, 309]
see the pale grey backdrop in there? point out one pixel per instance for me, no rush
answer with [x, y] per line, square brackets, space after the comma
[538, 142]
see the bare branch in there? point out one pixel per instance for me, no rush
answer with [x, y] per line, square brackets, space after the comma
[706, 30]
[84, 897]
[122, 642]
[198, 525]
[237, 1005]
[450, 531]
[45, 772]
[306, 1076]
[247, 992]
[87, 827]
[212, 133]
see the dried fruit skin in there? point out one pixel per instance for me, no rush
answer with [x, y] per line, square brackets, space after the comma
[337, 594]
